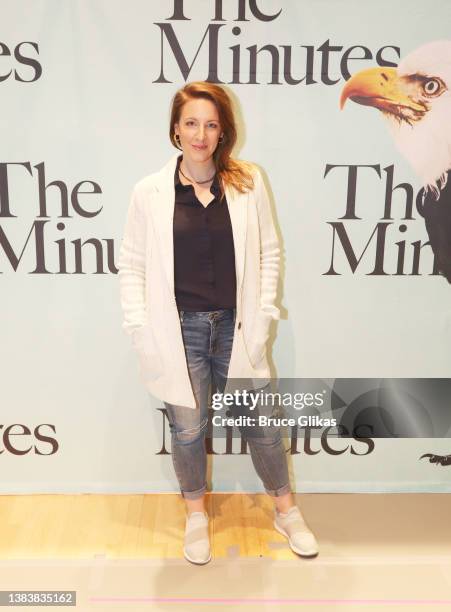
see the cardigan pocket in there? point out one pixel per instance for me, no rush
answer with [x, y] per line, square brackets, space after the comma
[146, 347]
[259, 335]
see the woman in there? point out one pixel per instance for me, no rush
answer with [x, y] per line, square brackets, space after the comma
[198, 269]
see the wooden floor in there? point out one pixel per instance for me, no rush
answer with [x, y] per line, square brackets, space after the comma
[124, 552]
[152, 526]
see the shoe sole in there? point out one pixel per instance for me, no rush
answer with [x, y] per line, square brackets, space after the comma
[293, 548]
[188, 558]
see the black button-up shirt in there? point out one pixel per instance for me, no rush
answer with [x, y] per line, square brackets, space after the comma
[204, 255]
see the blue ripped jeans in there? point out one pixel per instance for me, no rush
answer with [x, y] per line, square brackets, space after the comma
[208, 338]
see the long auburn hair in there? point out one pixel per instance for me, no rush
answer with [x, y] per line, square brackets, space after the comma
[232, 172]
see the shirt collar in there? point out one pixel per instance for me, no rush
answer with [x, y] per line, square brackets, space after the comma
[179, 185]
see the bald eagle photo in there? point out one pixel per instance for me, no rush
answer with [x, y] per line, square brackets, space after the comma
[415, 101]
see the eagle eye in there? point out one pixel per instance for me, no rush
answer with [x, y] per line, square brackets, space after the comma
[432, 87]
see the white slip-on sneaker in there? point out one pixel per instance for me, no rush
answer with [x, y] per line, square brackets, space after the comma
[293, 526]
[197, 542]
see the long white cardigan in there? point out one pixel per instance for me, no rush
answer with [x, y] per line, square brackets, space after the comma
[146, 273]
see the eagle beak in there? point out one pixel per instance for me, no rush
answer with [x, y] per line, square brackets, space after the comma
[380, 87]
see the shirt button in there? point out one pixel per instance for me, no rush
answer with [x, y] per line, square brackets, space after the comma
[239, 325]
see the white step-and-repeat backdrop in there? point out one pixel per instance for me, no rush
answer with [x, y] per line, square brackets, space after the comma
[346, 107]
